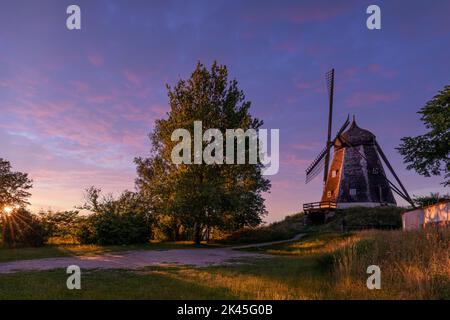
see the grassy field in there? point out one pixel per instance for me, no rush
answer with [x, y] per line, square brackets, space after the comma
[322, 266]
[285, 277]
[325, 264]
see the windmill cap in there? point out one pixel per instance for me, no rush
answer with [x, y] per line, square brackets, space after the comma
[356, 136]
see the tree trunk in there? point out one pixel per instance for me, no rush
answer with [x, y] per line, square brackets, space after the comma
[176, 232]
[197, 233]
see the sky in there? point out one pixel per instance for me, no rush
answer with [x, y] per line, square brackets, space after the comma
[76, 106]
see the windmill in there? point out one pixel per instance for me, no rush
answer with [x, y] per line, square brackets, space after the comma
[356, 176]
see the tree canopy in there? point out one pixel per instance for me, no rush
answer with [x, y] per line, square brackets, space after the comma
[199, 198]
[428, 154]
[14, 186]
[433, 198]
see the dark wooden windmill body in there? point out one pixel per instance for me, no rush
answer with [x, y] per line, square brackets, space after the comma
[356, 176]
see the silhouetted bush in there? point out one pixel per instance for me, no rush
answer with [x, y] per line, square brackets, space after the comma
[22, 228]
[126, 220]
[59, 225]
[108, 228]
[363, 216]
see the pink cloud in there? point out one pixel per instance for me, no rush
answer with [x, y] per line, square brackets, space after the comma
[289, 46]
[80, 86]
[314, 49]
[100, 98]
[379, 70]
[293, 160]
[359, 99]
[95, 59]
[285, 184]
[351, 72]
[298, 14]
[132, 77]
[303, 85]
[307, 146]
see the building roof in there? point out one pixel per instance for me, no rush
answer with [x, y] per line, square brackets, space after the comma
[355, 136]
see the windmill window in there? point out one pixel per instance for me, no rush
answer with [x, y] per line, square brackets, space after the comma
[329, 193]
[334, 173]
[353, 192]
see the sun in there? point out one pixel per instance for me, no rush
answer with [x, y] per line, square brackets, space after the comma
[8, 210]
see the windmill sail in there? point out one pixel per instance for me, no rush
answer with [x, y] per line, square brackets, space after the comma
[319, 162]
[316, 166]
[330, 87]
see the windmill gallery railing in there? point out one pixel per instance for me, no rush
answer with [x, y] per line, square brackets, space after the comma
[313, 206]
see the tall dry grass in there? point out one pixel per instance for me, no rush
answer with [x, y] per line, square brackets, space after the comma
[414, 265]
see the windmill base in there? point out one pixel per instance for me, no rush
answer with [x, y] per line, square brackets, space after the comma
[319, 216]
[319, 212]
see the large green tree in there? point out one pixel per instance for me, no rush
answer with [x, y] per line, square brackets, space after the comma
[198, 198]
[14, 186]
[429, 154]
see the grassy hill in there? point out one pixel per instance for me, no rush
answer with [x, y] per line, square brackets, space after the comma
[357, 217]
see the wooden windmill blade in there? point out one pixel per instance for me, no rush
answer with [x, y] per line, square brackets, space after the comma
[330, 87]
[319, 162]
[341, 130]
[316, 166]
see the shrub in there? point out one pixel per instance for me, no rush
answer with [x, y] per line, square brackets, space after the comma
[363, 216]
[59, 224]
[22, 228]
[126, 220]
[111, 228]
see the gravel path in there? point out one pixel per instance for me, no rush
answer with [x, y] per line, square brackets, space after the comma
[142, 258]
[133, 259]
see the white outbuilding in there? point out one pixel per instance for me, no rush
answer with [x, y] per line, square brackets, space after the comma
[435, 214]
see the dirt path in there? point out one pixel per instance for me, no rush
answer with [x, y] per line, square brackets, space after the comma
[142, 258]
[133, 259]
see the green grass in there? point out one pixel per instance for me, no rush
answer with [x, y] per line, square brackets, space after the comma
[53, 251]
[101, 284]
[326, 265]
[311, 243]
[284, 276]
